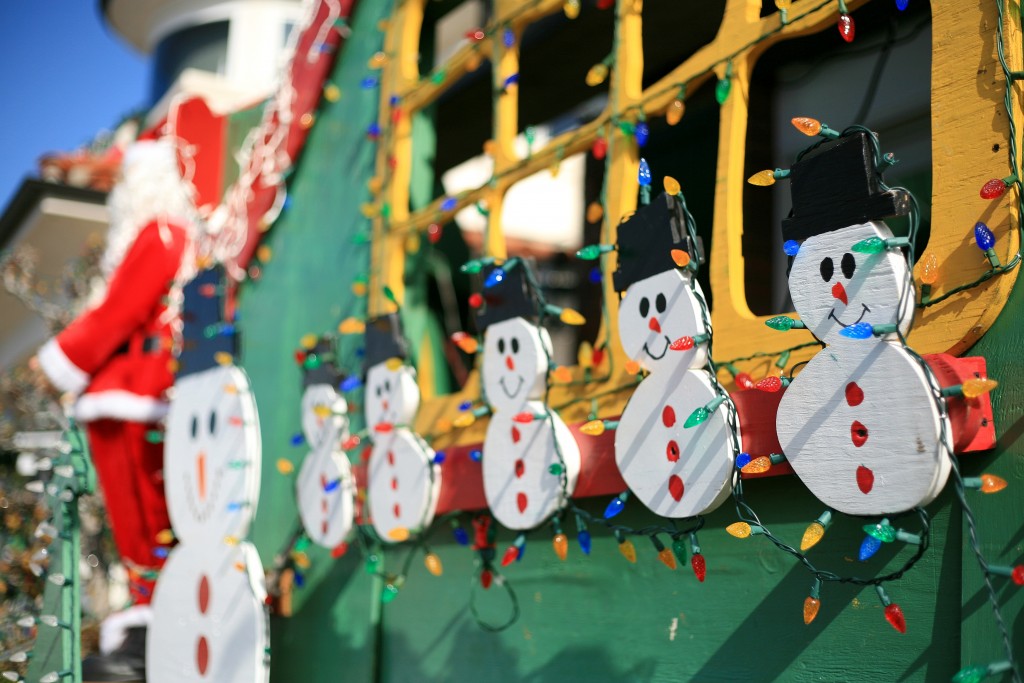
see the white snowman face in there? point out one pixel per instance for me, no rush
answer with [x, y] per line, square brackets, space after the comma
[655, 312]
[515, 363]
[212, 456]
[391, 396]
[324, 414]
[834, 287]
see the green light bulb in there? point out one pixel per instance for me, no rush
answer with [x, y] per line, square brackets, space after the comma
[696, 417]
[782, 323]
[882, 531]
[872, 245]
[472, 267]
[592, 252]
[389, 593]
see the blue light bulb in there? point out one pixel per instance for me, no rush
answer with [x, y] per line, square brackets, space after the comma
[522, 551]
[393, 100]
[902, 4]
[494, 277]
[439, 457]
[508, 37]
[161, 552]
[461, 537]
[297, 439]
[476, 455]
[644, 175]
[511, 80]
[448, 203]
[465, 405]
[742, 460]
[300, 580]
[234, 506]
[584, 539]
[858, 331]
[351, 383]
[791, 247]
[983, 236]
[595, 275]
[332, 485]
[373, 130]
[642, 132]
[616, 506]
[368, 83]
[868, 548]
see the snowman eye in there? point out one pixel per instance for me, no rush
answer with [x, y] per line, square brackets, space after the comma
[827, 269]
[848, 264]
[660, 303]
[501, 345]
[645, 307]
[379, 391]
[515, 345]
[213, 422]
[195, 426]
[387, 386]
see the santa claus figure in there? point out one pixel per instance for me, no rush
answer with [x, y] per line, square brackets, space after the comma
[115, 359]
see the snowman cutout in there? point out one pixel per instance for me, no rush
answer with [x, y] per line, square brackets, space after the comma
[524, 438]
[325, 488]
[859, 423]
[209, 621]
[675, 471]
[403, 481]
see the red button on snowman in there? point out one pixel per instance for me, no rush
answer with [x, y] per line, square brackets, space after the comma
[403, 482]
[675, 471]
[325, 488]
[523, 439]
[859, 423]
[209, 620]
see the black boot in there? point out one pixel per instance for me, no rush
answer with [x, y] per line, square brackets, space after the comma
[126, 664]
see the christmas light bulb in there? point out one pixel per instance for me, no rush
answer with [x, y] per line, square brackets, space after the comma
[983, 236]
[871, 245]
[976, 673]
[815, 531]
[561, 374]
[991, 483]
[738, 529]
[763, 178]
[860, 330]
[742, 460]
[770, 384]
[902, 4]
[627, 549]
[459, 533]
[464, 420]
[467, 343]
[680, 257]
[433, 563]
[684, 343]
[350, 443]
[667, 558]
[495, 277]
[644, 173]
[616, 505]
[476, 455]
[583, 538]
[783, 4]
[783, 323]
[642, 133]
[791, 247]
[868, 547]
[571, 8]
[929, 269]
[812, 603]
[672, 187]
[571, 317]
[847, 29]
[389, 593]
[560, 544]
[597, 74]
[697, 417]
[593, 428]
[806, 125]
[297, 439]
[744, 381]
[600, 148]
[523, 418]
[595, 212]
[757, 465]
[979, 386]
[510, 556]
[722, 88]
[882, 531]
[894, 615]
[993, 189]
[699, 566]
[675, 111]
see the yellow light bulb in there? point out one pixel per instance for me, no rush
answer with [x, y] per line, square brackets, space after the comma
[762, 178]
[307, 120]
[164, 536]
[359, 288]
[671, 185]
[264, 253]
[561, 546]
[332, 93]
[562, 374]
[991, 483]
[667, 558]
[433, 564]
[399, 534]
[375, 184]
[223, 358]
[680, 257]
[757, 465]
[368, 210]
[597, 74]
[351, 326]
[285, 466]
[585, 355]
[806, 125]
[674, 113]
[929, 269]
[628, 550]
[321, 411]
[412, 243]
[595, 212]
[812, 534]
[377, 61]
[632, 367]
[230, 389]
[571, 8]
[464, 420]
[811, 605]
[593, 428]
[783, 4]
[571, 317]
[394, 363]
[473, 61]
[301, 560]
[308, 341]
[973, 388]
[738, 529]
[231, 540]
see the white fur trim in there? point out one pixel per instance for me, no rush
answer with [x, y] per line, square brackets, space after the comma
[121, 405]
[61, 372]
[115, 627]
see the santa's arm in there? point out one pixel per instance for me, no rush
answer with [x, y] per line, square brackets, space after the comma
[134, 294]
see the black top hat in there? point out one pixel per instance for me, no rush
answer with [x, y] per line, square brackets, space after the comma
[646, 240]
[384, 340]
[836, 186]
[327, 372]
[512, 297]
[204, 333]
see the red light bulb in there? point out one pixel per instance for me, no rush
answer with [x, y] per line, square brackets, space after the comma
[846, 27]
[771, 384]
[605, 4]
[1018, 575]
[894, 615]
[476, 300]
[300, 357]
[383, 427]
[993, 189]
[485, 578]
[597, 356]
[511, 553]
[600, 148]
[339, 550]
[523, 418]
[700, 569]
[744, 381]
[682, 344]
[350, 443]
[434, 233]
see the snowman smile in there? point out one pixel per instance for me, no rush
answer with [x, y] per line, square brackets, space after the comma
[519, 386]
[865, 309]
[664, 350]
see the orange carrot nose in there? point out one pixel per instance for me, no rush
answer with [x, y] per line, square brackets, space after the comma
[509, 364]
[201, 475]
[384, 404]
[839, 292]
[654, 325]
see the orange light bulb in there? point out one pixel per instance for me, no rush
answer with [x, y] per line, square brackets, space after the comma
[738, 529]
[806, 125]
[667, 558]
[811, 607]
[628, 550]
[929, 269]
[561, 546]
[433, 564]
[675, 111]
[991, 483]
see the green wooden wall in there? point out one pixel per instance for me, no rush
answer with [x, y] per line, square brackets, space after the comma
[595, 618]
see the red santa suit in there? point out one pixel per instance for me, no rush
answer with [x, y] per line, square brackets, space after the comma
[117, 357]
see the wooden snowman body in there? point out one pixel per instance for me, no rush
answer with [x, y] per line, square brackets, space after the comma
[859, 423]
[675, 471]
[209, 620]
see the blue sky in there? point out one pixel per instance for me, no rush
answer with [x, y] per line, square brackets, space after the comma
[64, 77]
